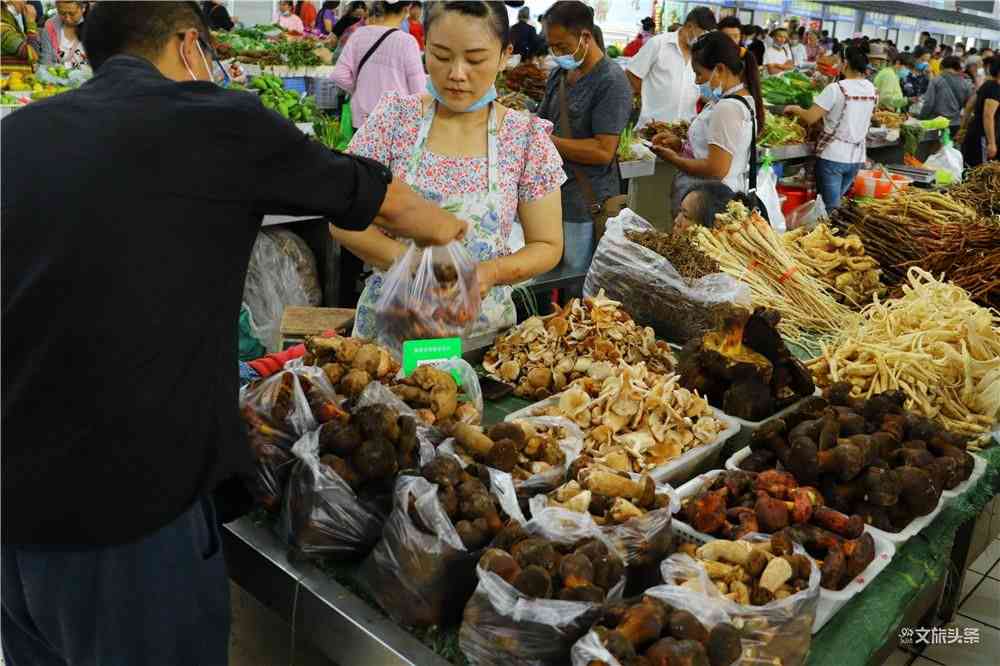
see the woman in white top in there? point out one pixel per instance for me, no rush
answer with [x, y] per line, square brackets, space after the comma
[778, 57]
[846, 110]
[61, 43]
[721, 136]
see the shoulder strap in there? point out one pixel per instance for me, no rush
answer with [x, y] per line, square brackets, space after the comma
[566, 132]
[372, 51]
[752, 177]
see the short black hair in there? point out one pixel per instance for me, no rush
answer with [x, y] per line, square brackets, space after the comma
[951, 62]
[994, 65]
[930, 44]
[703, 17]
[919, 52]
[648, 23]
[731, 22]
[856, 59]
[494, 13]
[904, 59]
[572, 15]
[137, 28]
[825, 33]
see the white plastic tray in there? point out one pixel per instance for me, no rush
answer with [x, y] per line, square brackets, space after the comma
[915, 525]
[674, 472]
[748, 427]
[637, 168]
[830, 601]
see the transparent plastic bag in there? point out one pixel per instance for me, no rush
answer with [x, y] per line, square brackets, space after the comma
[780, 630]
[502, 626]
[767, 191]
[420, 578]
[652, 290]
[322, 515]
[807, 215]
[282, 272]
[571, 446]
[589, 649]
[643, 542]
[430, 292]
[947, 163]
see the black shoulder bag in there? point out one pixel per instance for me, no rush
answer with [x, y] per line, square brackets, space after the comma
[364, 59]
[755, 201]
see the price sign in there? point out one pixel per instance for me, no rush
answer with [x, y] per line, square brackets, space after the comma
[431, 352]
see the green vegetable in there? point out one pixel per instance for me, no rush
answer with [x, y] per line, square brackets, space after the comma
[614, 52]
[625, 145]
[327, 131]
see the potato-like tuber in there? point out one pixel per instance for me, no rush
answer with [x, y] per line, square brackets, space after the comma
[724, 645]
[725, 551]
[506, 430]
[536, 551]
[533, 581]
[500, 563]
[772, 514]
[707, 511]
[354, 383]
[502, 455]
[643, 623]
[777, 573]
[339, 438]
[685, 626]
[375, 459]
[590, 594]
[576, 570]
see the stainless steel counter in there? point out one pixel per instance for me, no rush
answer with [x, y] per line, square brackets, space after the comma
[338, 623]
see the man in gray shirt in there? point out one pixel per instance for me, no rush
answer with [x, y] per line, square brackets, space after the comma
[600, 102]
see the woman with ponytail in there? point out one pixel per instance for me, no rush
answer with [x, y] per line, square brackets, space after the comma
[722, 137]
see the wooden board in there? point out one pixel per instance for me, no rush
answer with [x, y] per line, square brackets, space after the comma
[299, 321]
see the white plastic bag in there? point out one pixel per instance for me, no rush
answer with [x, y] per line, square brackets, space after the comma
[282, 272]
[651, 289]
[430, 292]
[501, 626]
[778, 632]
[767, 190]
[807, 215]
[947, 163]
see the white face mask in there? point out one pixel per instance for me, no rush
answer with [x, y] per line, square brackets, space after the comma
[204, 61]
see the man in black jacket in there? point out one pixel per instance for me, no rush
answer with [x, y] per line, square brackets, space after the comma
[122, 279]
[523, 36]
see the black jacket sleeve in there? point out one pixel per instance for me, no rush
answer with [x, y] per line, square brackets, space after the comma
[296, 175]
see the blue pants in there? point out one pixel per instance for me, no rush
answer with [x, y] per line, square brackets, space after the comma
[834, 180]
[578, 243]
[160, 601]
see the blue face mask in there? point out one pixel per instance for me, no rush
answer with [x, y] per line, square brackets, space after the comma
[903, 72]
[710, 93]
[921, 66]
[569, 61]
[483, 101]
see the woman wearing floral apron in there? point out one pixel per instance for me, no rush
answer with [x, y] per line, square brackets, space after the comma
[490, 166]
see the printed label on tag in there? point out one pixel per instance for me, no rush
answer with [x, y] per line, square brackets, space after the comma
[431, 352]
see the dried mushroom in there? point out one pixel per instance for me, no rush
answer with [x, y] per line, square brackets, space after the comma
[635, 420]
[586, 338]
[585, 571]
[751, 574]
[649, 631]
[521, 448]
[611, 497]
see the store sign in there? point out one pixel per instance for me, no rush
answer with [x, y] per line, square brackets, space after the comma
[806, 9]
[838, 13]
[431, 352]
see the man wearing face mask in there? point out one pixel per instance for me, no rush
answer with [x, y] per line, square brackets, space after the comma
[661, 71]
[917, 82]
[110, 539]
[888, 82]
[589, 101]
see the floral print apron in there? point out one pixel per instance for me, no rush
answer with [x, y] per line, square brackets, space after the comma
[481, 210]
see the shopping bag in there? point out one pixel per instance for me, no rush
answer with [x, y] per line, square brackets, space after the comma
[947, 163]
[767, 191]
[346, 126]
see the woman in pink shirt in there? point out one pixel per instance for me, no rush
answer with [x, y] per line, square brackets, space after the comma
[394, 65]
[287, 20]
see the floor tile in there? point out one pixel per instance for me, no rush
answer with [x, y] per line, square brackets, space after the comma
[898, 658]
[983, 653]
[971, 579]
[984, 604]
[989, 557]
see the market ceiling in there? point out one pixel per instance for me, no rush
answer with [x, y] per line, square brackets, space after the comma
[925, 12]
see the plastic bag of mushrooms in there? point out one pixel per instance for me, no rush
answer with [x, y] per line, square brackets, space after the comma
[666, 625]
[766, 584]
[424, 569]
[541, 587]
[277, 411]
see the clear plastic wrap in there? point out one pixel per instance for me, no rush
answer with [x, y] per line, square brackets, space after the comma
[430, 292]
[807, 215]
[420, 578]
[502, 626]
[767, 191]
[571, 446]
[282, 272]
[322, 515]
[651, 289]
[780, 630]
